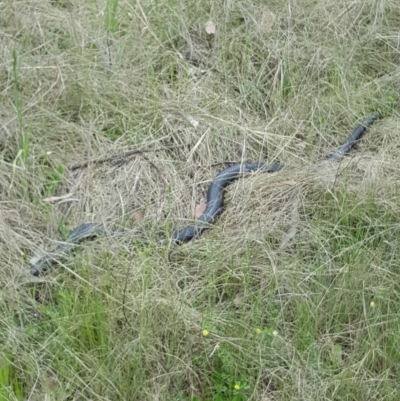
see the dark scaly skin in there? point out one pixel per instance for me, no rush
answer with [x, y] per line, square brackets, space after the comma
[78, 234]
[215, 198]
[354, 137]
[215, 203]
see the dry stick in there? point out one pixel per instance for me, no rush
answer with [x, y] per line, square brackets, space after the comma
[148, 161]
[225, 163]
[121, 156]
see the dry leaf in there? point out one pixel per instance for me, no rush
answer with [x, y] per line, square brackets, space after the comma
[238, 301]
[138, 216]
[191, 120]
[196, 72]
[210, 28]
[267, 20]
[66, 197]
[289, 182]
[200, 209]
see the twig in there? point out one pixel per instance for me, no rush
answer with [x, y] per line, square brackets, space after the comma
[121, 156]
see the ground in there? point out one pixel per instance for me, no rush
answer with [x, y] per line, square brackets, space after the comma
[122, 112]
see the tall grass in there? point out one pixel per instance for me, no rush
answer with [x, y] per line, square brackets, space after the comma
[294, 294]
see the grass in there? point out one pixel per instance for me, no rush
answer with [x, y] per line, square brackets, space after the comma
[294, 294]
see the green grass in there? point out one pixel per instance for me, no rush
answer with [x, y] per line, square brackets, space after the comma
[294, 294]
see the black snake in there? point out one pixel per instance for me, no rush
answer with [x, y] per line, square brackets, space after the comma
[215, 203]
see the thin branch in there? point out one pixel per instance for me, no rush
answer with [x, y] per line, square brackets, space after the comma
[120, 158]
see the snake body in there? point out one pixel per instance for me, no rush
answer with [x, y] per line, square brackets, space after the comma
[355, 136]
[215, 204]
[215, 198]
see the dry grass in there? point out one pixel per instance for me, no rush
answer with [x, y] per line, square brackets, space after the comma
[303, 252]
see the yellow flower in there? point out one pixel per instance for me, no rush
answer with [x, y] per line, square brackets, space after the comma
[257, 331]
[274, 333]
[372, 304]
[205, 333]
[236, 387]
